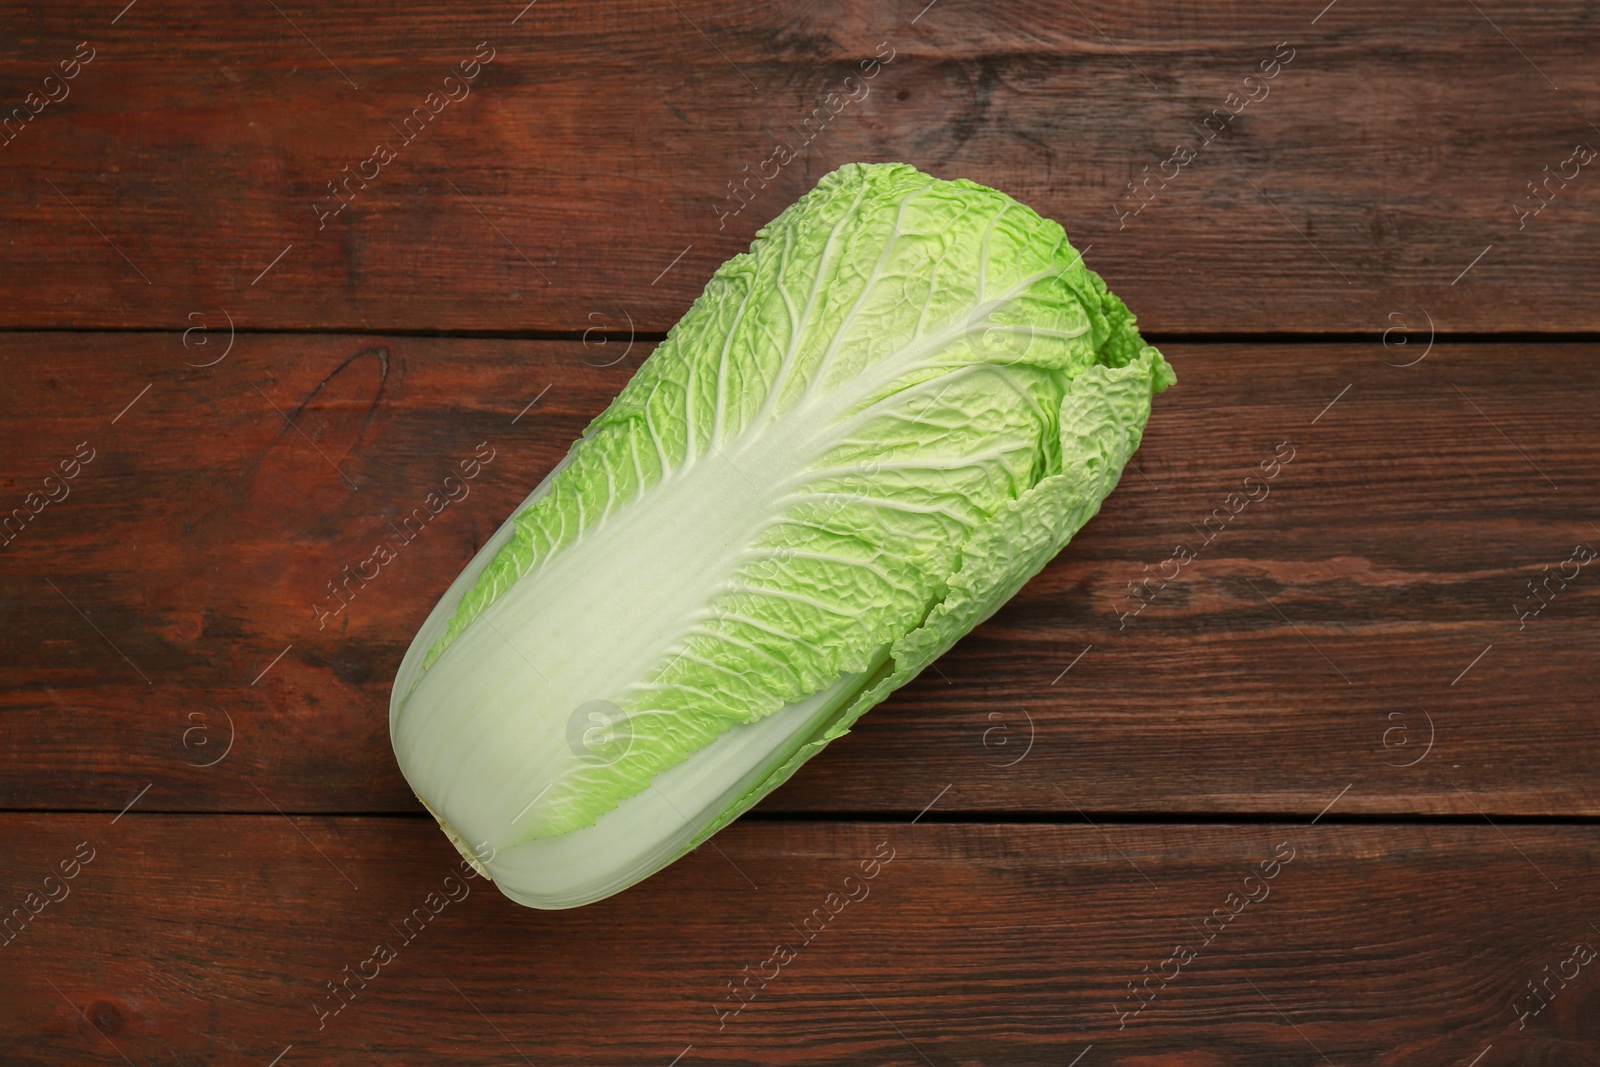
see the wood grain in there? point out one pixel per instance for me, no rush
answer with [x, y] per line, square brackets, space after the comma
[1319, 640]
[196, 939]
[188, 169]
[1329, 677]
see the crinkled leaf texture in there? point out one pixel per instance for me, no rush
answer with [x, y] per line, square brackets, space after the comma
[860, 441]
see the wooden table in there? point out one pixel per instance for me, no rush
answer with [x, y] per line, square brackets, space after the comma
[1328, 797]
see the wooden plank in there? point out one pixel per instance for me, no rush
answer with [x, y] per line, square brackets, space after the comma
[206, 939]
[189, 167]
[169, 604]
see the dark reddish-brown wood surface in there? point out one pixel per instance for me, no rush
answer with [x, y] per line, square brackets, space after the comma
[189, 167]
[1321, 637]
[251, 383]
[983, 943]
